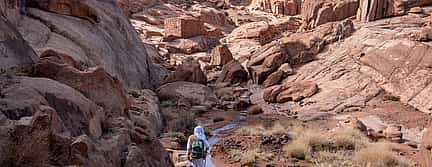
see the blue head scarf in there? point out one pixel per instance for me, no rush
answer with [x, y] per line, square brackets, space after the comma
[199, 132]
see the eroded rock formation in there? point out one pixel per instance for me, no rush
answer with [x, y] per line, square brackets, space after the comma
[280, 7]
[317, 12]
[377, 9]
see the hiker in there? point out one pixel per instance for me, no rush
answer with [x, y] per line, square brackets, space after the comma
[197, 147]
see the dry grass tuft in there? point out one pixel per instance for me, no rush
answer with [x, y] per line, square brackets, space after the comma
[379, 155]
[259, 130]
[305, 142]
[349, 139]
[330, 159]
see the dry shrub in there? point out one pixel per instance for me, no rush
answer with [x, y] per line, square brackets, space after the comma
[379, 155]
[298, 150]
[349, 138]
[305, 142]
[218, 119]
[250, 157]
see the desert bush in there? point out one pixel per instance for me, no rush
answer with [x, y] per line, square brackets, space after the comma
[379, 155]
[392, 98]
[218, 119]
[305, 142]
[298, 150]
[349, 138]
[250, 157]
[235, 155]
[255, 110]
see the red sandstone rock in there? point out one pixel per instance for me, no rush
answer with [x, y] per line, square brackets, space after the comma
[183, 27]
[189, 71]
[317, 12]
[290, 91]
[281, 7]
[220, 56]
[232, 72]
[370, 10]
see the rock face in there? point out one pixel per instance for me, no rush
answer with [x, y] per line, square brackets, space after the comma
[280, 7]
[195, 93]
[189, 71]
[96, 84]
[247, 38]
[14, 51]
[372, 60]
[212, 16]
[297, 49]
[192, 45]
[377, 9]
[290, 91]
[232, 72]
[317, 12]
[78, 114]
[71, 27]
[274, 78]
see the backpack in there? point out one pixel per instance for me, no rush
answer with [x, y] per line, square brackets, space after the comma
[198, 150]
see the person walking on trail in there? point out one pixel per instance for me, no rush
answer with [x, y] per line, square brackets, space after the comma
[197, 147]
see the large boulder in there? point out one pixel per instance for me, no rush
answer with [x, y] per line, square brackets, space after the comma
[317, 12]
[96, 84]
[24, 96]
[274, 78]
[220, 56]
[211, 15]
[189, 71]
[193, 92]
[192, 45]
[232, 72]
[290, 91]
[183, 27]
